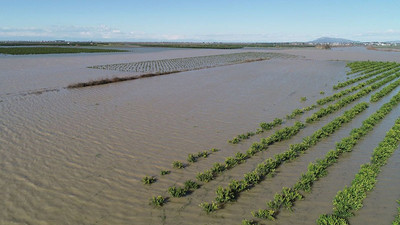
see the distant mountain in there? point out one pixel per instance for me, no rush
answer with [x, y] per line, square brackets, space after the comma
[332, 40]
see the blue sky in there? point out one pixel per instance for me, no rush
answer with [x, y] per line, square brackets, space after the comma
[200, 20]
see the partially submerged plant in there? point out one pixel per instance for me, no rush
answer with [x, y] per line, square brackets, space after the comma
[165, 172]
[158, 200]
[178, 165]
[209, 207]
[148, 180]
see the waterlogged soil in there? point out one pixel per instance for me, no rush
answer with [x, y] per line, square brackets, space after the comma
[78, 156]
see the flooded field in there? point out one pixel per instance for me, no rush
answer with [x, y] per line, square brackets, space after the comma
[78, 156]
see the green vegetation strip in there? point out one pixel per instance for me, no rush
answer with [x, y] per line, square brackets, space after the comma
[52, 50]
[354, 88]
[375, 97]
[369, 69]
[340, 104]
[352, 81]
[254, 177]
[359, 66]
[396, 221]
[264, 126]
[282, 134]
[349, 200]
[318, 169]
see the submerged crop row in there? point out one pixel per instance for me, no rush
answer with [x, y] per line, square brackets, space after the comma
[252, 178]
[375, 97]
[352, 89]
[349, 200]
[359, 66]
[396, 220]
[282, 134]
[318, 169]
[345, 101]
[189, 63]
[266, 126]
[393, 66]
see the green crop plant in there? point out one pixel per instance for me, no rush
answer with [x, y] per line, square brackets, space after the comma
[264, 126]
[177, 164]
[331, 220]
[177, 192]
[318, 169]
[209, 207]
[250, 179]
[214, 150]
[375, 97]
[265, 214]
[165, 172]
[354, 88]
[148, 180]
[157, 200]
[303, 99]
[191, 185]
[350, 199]
[393, 67]
[322, 92]
[191, 158]
[396, 220]
[203, 154]
[345, 101]
[205, 176]
[249, 222]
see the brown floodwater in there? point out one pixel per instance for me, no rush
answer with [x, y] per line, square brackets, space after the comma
[78, 156]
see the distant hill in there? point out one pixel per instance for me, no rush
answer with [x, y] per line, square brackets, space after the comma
[332, 40]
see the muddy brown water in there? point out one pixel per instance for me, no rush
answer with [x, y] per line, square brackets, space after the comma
[78, 156]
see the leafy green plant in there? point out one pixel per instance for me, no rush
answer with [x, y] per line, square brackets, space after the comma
[191, 185]
[303, 99]
[265, 214]
[396, 221]
[214, 150]
[157, 201]
[148, 180]
[177, 192]
[209, 207]
[191, 158]
[393, 67]
[205, 176]
[249, 222]
[178, 165]
[165, 172]
[250, 179]
[322, 92]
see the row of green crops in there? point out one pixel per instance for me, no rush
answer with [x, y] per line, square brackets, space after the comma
[396, 221]
[352, 89]
[240, 158]
[375, 97]
[318, 169]
[267, 126]
[252, 178]
[264, 126]
[393, 66]
[359, 66]
[282, 134]
[192, 158]
[345, 101]
[349, 200]
[371, 68]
